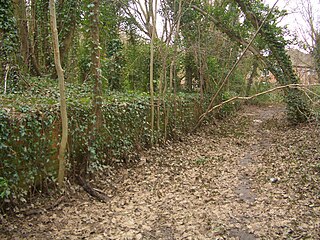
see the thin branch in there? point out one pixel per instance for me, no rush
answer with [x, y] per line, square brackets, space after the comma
[6, 78]
[127, 9]
[300, 86]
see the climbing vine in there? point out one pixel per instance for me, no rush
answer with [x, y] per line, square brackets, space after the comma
[8, 44]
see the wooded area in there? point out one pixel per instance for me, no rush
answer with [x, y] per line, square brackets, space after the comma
[88, 85]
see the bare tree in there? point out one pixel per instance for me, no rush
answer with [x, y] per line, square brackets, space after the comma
[152, 12]
[310, 34]
[141, 12]
[144, 14]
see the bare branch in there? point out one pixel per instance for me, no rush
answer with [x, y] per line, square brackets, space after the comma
[300, 86]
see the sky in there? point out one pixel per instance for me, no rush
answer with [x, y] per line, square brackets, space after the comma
[295, 20]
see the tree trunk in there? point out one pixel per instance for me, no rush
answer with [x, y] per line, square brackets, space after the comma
[317, 54]
[63, 105]
[96, 65]
[96, 126]
[68, 33]
[152, 12]
[82, 164]
[22, 25]
[189, 70]
[173, 71]
[44, 46]
[33, 39]
[162, 84]
[25, 47]
[252, 75]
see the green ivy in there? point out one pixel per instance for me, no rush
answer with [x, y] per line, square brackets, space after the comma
[8, 45]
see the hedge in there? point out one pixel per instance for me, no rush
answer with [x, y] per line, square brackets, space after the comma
[30, 135]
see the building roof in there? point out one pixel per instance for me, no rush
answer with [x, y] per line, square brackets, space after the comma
[300, 59]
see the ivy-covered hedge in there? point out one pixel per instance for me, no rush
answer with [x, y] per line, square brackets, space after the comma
[30, 134]
[27, 149]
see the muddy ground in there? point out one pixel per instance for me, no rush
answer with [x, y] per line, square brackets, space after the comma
[249, 177]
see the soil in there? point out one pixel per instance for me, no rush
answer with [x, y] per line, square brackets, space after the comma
[251, 176]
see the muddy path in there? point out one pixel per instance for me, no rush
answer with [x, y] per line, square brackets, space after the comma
[251, 177]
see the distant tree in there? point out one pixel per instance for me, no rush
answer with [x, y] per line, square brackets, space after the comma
[146, 22]
[111, 44]
[67, 22]
[26, 49]
[311, 33]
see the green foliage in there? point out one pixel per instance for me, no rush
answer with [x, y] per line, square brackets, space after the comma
[272, 41]
[201, 161]
[228, 14]
[84, 62]
[261, 86]
[8, 43]
[4, 189]
[136, 69]
[42, 36]
[229, 108]
[112, 65]
[298, 110]
[26, 148]
[190, 21]
[8, 32]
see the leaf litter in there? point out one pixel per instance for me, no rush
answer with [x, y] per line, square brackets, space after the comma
[252, 176]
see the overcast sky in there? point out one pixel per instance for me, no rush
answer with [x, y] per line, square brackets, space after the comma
[295, 19]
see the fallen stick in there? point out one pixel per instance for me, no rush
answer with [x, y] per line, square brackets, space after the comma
[90, 190]
[6, 78]
[301, 86]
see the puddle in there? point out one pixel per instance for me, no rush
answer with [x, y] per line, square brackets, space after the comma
[242, 235]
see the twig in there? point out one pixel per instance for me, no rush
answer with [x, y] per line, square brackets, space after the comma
[305, 92]
[5, 78]
[57, 203]
[312, 92]
[256, 95]
[38, 211]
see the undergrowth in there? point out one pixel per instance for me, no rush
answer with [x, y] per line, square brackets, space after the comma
[30, 131]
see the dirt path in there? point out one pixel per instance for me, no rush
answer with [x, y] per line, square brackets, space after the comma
[252, 177]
